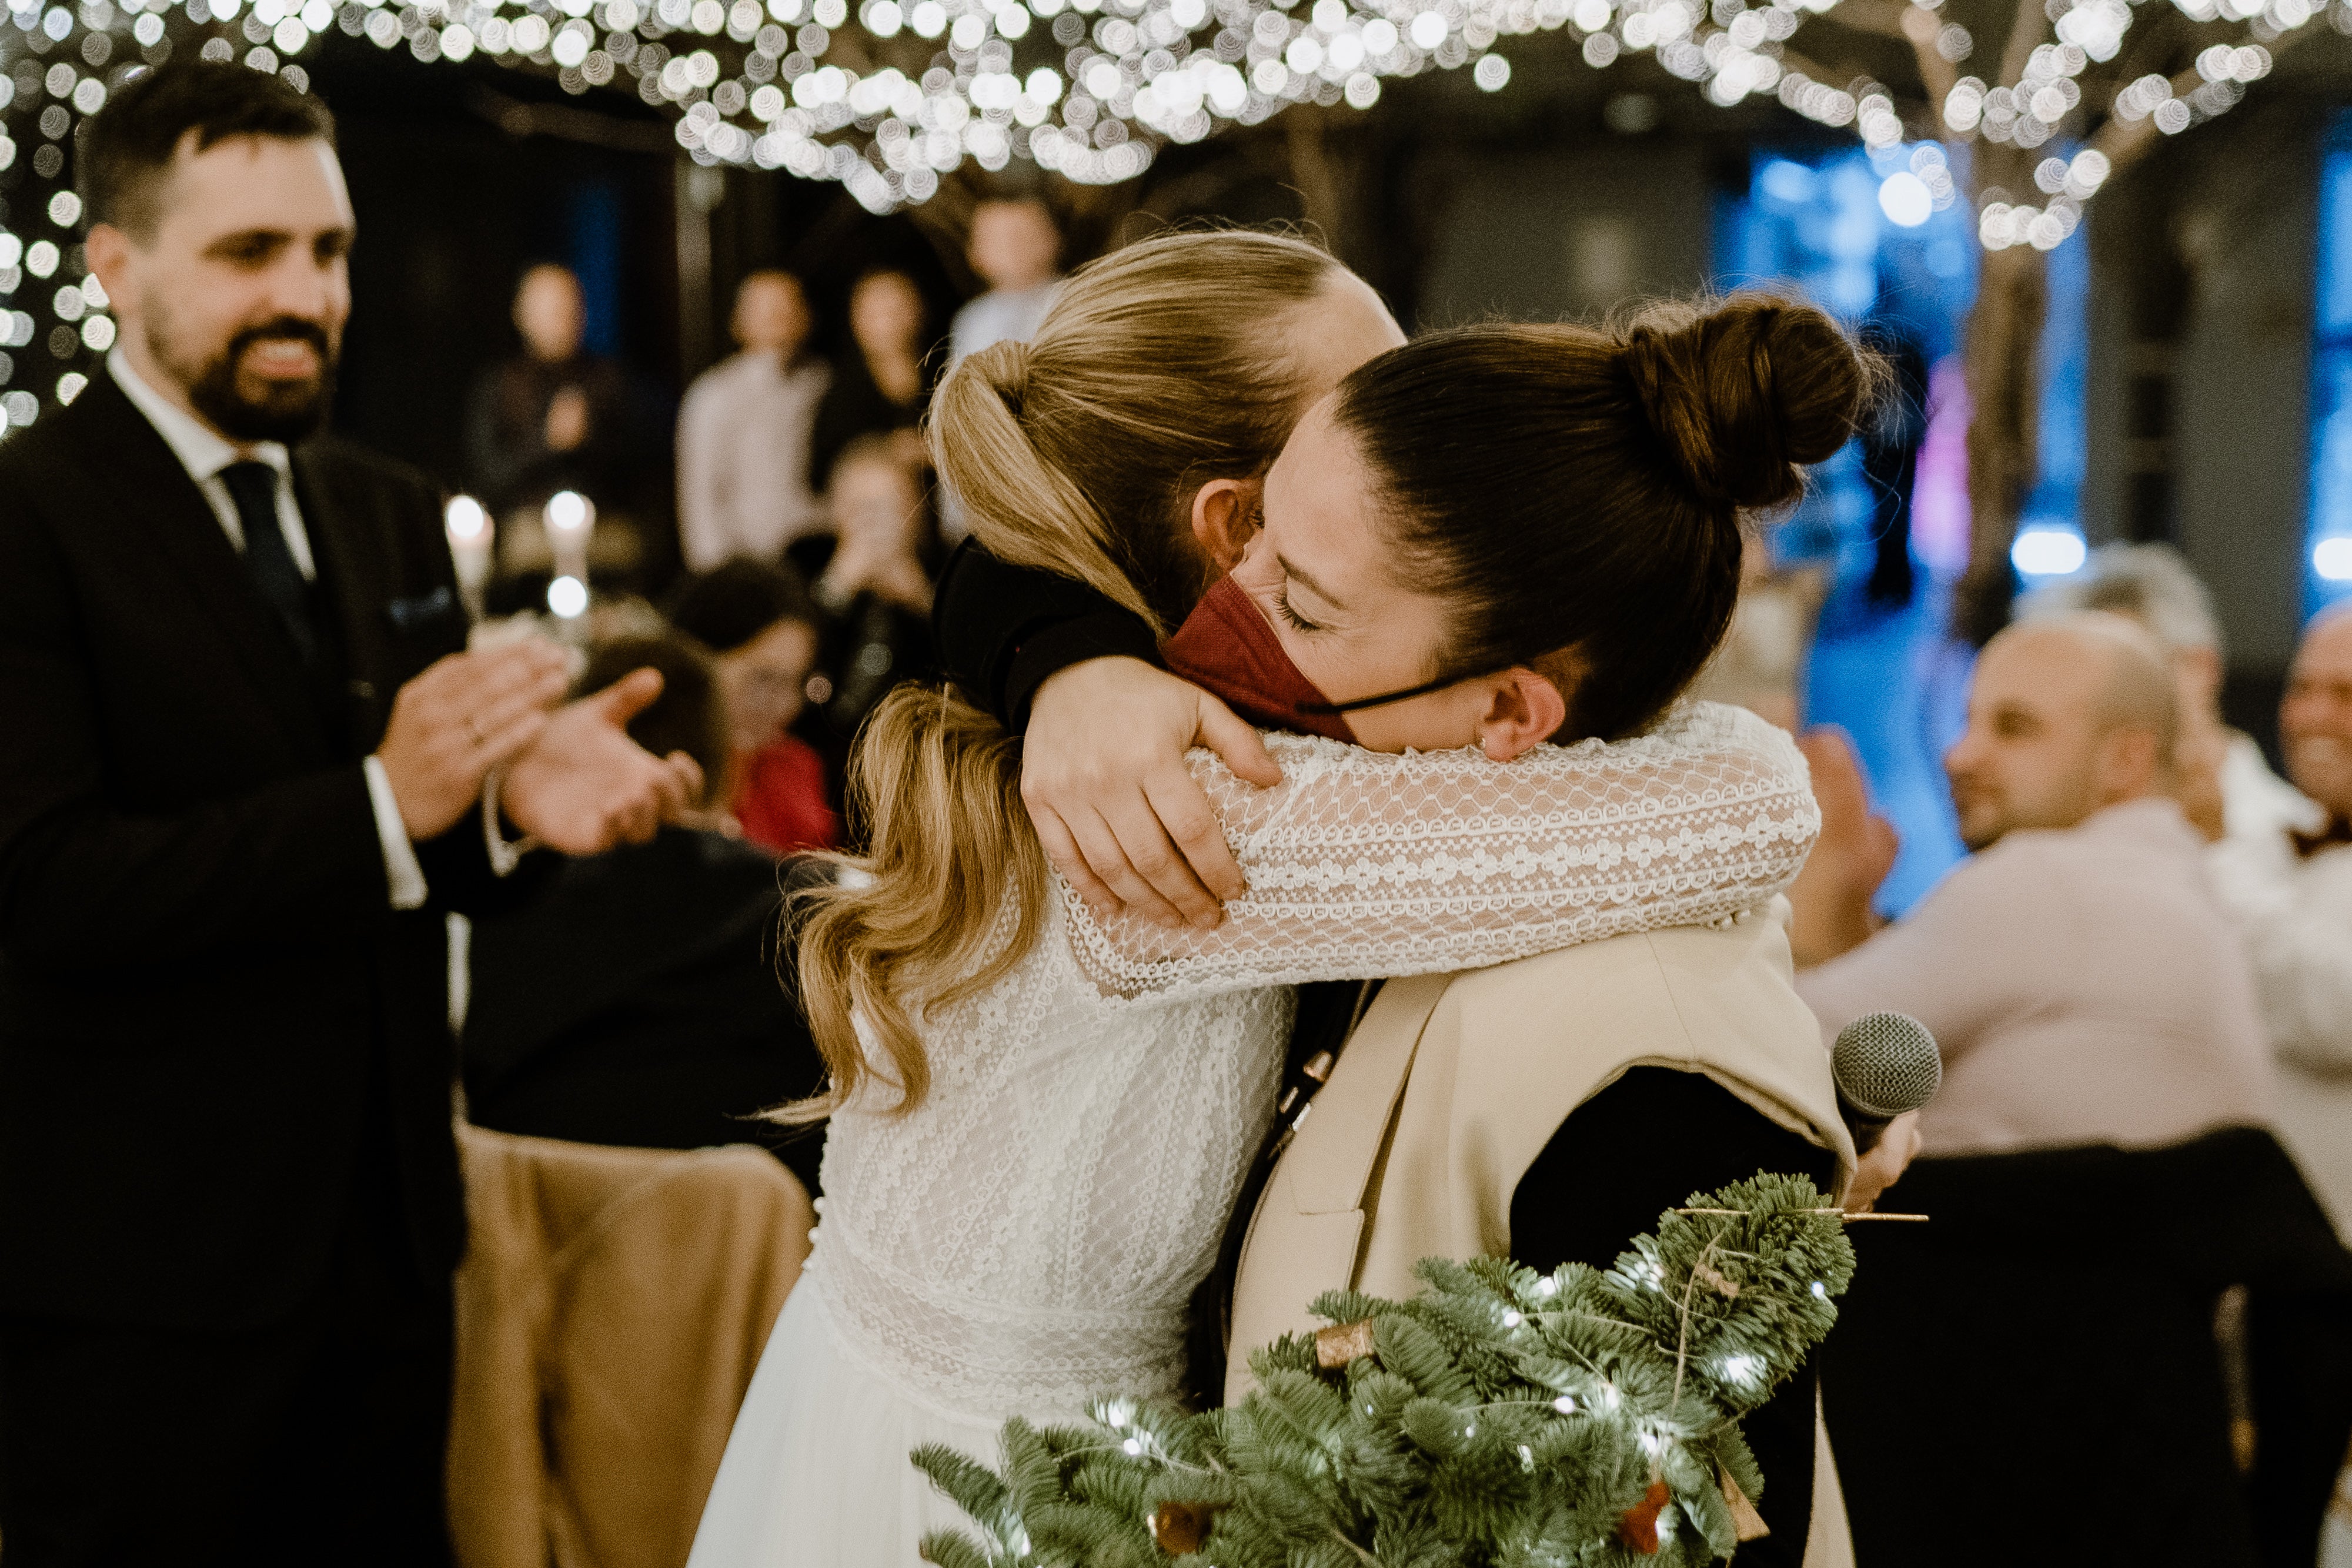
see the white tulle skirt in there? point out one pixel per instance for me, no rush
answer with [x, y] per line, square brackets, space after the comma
[816, 1473]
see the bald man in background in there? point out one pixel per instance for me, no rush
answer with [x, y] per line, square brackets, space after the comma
[2082, 982]
[2034, 1378]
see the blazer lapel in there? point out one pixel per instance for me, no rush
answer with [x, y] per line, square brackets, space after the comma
[357, 571]
[162, 512]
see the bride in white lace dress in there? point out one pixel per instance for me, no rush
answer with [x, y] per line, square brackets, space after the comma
[1040, 1121]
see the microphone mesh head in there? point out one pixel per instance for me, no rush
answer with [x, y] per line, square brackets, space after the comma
[1887, 1063]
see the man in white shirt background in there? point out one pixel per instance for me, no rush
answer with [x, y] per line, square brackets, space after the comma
[2289, 888]
[2099, 1169]
[248, 756]
[2275, 860]
[743, 432]
[2081, 979]
[1017, 252]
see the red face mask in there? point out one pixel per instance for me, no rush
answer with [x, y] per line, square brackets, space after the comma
[1228, 649]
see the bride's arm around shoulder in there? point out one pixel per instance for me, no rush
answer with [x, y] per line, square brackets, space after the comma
[1365, 863]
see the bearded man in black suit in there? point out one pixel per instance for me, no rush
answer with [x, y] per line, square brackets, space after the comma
[245, 752]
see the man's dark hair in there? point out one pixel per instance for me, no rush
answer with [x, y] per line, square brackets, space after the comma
[125, 149]
[689, 716]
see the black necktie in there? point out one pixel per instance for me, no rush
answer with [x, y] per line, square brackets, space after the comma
[253, 488]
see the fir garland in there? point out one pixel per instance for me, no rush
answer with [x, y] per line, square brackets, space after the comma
[1503, 1418]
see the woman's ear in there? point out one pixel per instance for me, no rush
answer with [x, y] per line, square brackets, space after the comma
[1524, 709]
[1225, 513]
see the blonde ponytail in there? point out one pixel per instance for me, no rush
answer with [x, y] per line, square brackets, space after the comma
[986, 460]
[1158, 367]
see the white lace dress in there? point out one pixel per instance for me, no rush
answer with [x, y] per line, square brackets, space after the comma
[1031, 1236]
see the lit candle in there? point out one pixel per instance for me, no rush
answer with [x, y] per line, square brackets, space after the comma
[571, 518]
[567, 597]
[470, 538]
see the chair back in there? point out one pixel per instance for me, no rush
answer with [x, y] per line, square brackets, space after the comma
[2034, 1376]
[611, 1310]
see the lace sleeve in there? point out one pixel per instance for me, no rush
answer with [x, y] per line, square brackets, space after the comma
[1362, 863]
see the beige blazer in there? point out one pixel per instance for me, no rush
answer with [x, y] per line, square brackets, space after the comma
[1451, 1085]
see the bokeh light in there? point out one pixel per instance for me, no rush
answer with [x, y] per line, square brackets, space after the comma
[2047, 551]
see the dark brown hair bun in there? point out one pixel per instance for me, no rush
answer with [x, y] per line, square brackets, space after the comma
[1744, 393]
[1575, 493]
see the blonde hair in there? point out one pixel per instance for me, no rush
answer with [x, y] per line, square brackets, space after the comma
[1158, 367]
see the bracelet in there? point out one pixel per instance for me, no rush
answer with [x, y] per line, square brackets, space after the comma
[505, 854]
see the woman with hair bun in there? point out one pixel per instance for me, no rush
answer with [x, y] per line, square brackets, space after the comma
[1041, 1119]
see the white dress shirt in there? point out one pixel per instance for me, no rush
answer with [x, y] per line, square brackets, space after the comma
[2084, 987]
[2256, 802]
[2296, 916]
[999, 315]
[743, 457]
[204, 454]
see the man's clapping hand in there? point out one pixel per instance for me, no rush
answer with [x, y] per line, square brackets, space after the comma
[583, 786]
[464, 716]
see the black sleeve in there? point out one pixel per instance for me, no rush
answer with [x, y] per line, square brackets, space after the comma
[1639, 1147]
[1001, 630]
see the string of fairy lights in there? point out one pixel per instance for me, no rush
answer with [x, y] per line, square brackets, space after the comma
[911, 90]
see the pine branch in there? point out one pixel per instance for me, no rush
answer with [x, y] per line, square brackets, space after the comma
[1502, 1418]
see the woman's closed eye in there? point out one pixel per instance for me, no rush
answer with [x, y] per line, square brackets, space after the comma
[1297, 621]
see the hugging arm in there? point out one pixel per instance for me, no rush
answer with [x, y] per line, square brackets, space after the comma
[1362, 863]
[1105, 732]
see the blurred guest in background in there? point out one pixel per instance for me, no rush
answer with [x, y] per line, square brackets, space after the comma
[881, 384]
[2101, 1148]
[636, 999]
[558, 417]
[2289, 889]
[2276, 865]
[758, 622]
[2081, 980]
[743, 433]
[1017, 250]
[553, 417]
[2226, 787]
[873, 581]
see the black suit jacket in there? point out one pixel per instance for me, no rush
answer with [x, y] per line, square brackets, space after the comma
[208, 1008]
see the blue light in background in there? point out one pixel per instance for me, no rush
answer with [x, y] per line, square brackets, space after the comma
[1832, 224]
[2330, 574]
[593, 236]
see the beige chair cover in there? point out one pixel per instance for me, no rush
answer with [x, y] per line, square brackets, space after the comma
[611, 1310]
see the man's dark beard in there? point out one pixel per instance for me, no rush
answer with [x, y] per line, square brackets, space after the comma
[289, 411]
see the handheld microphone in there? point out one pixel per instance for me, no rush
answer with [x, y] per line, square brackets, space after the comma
[1884, 1064]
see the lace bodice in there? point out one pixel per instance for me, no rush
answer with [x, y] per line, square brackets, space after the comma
[1031, 1235]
